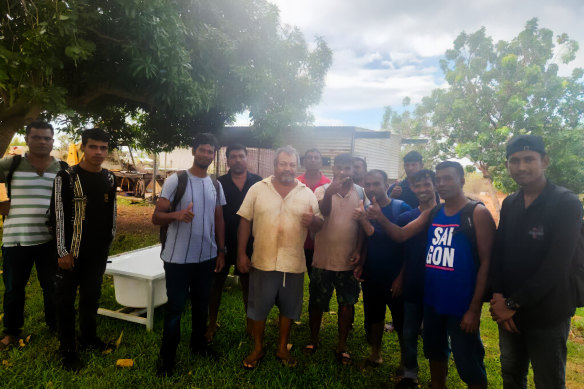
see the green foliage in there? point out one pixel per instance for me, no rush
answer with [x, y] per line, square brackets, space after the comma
[155, 73]
[498, 90]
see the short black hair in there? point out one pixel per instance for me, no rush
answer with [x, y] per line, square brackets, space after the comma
[205, 138]
[424, 174]
[41, 125]
[313, 150]
[362, 160]
[413, 156]
[380, 172]
[233, 147]
[95, 134]
[453, 164]
[344, 158]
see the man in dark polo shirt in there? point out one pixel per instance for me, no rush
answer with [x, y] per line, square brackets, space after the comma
[534, 247]
[235, 185]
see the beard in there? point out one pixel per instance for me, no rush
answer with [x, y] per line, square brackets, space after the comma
[286, 178]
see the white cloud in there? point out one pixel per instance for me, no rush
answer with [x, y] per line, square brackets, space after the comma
[386, 50]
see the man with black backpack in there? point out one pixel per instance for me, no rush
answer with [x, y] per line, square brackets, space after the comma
[533, 269]
[26, 237]
[190, 205]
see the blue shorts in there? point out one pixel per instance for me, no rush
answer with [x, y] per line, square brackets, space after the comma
[467, 349]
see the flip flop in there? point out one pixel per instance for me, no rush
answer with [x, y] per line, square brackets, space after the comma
[288, 362]
[343, 357]
[309, 349]
[250, 365]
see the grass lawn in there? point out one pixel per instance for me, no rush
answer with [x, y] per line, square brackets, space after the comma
[37, 363]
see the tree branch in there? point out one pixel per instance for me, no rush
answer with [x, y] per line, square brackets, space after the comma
[102, 36]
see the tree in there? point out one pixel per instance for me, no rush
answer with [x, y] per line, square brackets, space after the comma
[154, 72]
[499, 90]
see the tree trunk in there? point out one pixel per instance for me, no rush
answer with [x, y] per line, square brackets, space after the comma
[492, 192]
[9, 126]
[7, 130]
[494, 197]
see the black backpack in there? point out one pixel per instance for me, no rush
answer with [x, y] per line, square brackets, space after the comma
[183, 179]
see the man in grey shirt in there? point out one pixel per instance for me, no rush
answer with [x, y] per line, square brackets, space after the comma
[194, 248]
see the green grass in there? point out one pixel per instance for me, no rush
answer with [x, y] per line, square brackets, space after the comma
[37, 364]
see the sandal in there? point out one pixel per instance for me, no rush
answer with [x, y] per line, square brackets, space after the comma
[343, 357]
[310, 349]
[250, 365]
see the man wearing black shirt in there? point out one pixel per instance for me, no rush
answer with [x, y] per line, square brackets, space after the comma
[534, 248]
[83, 213]
[235, 185]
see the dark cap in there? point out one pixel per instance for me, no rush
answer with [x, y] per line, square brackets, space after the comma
[524, 143]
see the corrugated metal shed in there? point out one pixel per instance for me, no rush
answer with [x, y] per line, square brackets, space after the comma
[380, 149]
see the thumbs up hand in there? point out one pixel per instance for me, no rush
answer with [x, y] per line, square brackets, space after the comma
[359, 212]
[185, 215]
[307, 217]
[374, 210]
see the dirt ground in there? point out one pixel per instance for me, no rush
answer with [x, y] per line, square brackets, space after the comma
[135, 216]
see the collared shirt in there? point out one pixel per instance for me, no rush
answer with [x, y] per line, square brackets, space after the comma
[277, 225]
[26, 223]
[337, 239]
[234, 198]
[408, 194]
[309, 243]
[534, 247]
[323, 180]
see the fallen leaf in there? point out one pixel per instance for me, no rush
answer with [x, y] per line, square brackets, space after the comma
[125, 363]
[107, 351]
[6, 363]
[21, 343]
[1, 316]
[297, 323]
[332, 313]
[119, 340]
[27, 340]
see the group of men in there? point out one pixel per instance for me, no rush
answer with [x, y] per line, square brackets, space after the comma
[428, 262]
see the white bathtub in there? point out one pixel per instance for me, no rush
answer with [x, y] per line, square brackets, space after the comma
[139, 283]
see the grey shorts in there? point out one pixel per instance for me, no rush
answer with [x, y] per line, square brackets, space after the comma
[269, 288]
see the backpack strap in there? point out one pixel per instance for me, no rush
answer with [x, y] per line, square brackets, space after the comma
[181, 187]
[434, 212]
[467, 227]
[13, 166]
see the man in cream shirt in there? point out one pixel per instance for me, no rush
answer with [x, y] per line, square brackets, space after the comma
[281, 209]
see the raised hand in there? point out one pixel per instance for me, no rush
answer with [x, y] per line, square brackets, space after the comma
[185, 215]
[359, 211]
[396, 191]
[374, 210]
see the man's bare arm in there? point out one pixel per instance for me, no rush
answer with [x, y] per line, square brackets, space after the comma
[161, 216]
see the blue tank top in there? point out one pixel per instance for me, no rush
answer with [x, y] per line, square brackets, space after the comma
[450, 268]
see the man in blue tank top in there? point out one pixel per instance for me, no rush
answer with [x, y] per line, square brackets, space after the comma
[455, 283]
[455, 278]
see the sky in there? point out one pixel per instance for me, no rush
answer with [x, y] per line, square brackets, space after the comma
[385, 50]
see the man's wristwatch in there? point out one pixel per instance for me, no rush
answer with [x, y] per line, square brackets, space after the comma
[222, 250]
[510, 304]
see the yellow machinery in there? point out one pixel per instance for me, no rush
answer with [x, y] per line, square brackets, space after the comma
[75, 155]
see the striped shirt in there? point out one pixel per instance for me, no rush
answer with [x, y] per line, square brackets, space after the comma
[25, 224]
[192, 242]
